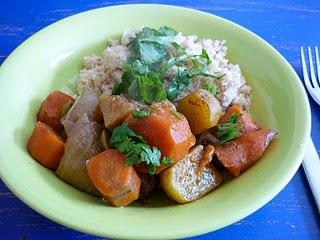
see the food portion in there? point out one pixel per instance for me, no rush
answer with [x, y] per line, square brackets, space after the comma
[82, 143]
[202, 110]
[156, 111]
[165, 129]
[53, 108]
[116, 181]
[242, 152]
[46, 146]
[187, 181]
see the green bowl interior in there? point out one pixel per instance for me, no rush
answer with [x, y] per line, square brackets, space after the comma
[52, 57]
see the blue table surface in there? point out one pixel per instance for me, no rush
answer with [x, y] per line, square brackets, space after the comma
[285, 24]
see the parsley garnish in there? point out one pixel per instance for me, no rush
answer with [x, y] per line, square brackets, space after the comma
[167, 161]
[144, 72]
[140, 114]
[180, 82]
[144, 87]
[210, 88]
[136, 149]
[149, 44]
[180, 50]
[229, 130]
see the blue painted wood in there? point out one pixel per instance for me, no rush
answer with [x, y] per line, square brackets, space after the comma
[286, 24]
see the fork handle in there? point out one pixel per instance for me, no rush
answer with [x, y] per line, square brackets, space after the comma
[311, 166]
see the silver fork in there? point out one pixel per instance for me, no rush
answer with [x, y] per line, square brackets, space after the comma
[311, 162]
[313, 89]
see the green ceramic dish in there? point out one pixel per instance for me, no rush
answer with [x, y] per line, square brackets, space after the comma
[49, 58]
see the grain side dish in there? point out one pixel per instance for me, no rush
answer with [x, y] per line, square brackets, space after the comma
[156, 108]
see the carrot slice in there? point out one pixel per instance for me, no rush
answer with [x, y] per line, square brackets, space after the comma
[118, 183]
[53, 108]
[45, 146]
[241, 153]
[165, 129]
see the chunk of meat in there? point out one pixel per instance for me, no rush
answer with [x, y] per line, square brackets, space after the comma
[116, 181]
[165, 129]
[242, 152]
[207, 138]
[115, 110]
[148, 183]
[248, 125]
[86, 103]
[53, 108]
[45, 146]
[82, 143]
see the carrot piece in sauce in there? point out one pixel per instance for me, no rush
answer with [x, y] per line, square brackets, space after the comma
[46, 146]
[248, 125]
[165, 129]
[242, 152]
[116, 181]
[53, 108]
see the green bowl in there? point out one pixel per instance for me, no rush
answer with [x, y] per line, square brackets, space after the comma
[50, 58]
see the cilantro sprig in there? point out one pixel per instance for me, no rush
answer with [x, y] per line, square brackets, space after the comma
[149, 44]
[144, 72]
[210, 88]
[229, 130]
[142, 113]
[135, 148]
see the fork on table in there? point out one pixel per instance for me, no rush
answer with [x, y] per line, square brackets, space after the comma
[311, 162]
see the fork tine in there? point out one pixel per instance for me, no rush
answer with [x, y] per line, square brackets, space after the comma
[312, 73]
[318, 62]
[305, 70]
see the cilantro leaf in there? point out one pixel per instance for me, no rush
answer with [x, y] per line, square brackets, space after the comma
[168, 31]
[210, 88]
[140, 67]
[135, 148]
[229, 130]
[149, 44]
[151, 52]
[180, 82]
[119, 134]
[140, 114]
[205, 55]
[180, 50]
[167, 161]
[147, 88]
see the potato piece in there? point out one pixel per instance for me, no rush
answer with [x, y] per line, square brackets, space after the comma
[53, 108]
[201, 109]
[115, 110]
[182, 183]
[116, 181]
[45, 146]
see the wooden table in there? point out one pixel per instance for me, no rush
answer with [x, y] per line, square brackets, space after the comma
[286, 24]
